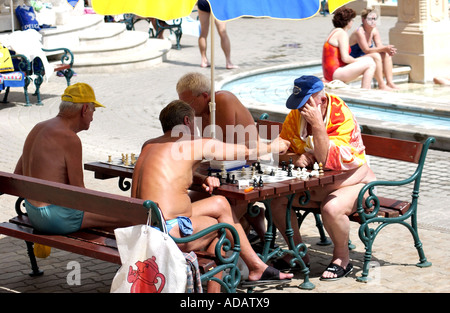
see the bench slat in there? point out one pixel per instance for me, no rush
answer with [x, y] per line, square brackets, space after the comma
[62, 242]
[397, 149]
[68, 196]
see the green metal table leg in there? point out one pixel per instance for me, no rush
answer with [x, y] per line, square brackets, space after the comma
[299, 251]
[269, 235]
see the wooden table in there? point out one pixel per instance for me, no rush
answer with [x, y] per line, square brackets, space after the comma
[263, 194]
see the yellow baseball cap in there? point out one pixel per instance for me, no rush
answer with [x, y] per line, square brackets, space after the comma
[80, 93]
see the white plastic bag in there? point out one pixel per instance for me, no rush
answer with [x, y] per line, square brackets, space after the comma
[151, 262]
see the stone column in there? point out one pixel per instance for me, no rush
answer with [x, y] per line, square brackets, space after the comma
[421, 36]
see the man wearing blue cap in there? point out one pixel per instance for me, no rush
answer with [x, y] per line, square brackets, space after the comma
[321, 128]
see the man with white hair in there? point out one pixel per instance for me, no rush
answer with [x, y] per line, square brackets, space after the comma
[53, 151]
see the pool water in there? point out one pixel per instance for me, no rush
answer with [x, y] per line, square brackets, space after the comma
[275, 87]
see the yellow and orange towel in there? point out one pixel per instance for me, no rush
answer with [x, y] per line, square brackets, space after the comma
[346, 149]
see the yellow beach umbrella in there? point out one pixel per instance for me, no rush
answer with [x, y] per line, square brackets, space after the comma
[333, 5]
[163, 10]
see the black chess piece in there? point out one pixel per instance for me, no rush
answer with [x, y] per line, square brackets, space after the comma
[261, 183]
[258, 168]
[219, 177]
[289, 172]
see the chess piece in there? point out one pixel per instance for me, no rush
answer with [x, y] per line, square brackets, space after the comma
[315, 171]
[289, 171]
[261, 183]
[258, 167]
[109, 159]
[320, 168]
[224, 171]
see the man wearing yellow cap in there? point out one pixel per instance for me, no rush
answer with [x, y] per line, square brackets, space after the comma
[53, 151]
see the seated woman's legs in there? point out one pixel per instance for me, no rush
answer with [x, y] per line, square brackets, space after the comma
[364, 66]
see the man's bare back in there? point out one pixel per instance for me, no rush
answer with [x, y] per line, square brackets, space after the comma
[162, 178]
[52, 151]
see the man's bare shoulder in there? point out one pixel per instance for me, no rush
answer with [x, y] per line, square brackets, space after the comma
[161, 139]
[225, 95]
[56, 131]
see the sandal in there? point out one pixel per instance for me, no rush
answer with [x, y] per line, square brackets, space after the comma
[269, 277]
[338, 270]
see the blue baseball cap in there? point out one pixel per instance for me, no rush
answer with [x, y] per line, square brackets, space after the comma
[304, 87]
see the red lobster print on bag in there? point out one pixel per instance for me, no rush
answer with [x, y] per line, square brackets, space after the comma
[145, 278]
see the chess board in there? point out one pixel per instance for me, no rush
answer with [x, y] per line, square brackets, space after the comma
[261, 174]
[127, 161]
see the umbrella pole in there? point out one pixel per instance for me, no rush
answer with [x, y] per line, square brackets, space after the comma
[212, 104]
[11, 7]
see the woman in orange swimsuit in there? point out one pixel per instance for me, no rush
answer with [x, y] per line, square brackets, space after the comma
[336, 60]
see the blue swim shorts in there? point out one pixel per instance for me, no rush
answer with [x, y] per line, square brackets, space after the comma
[184, 224]
[54, 219]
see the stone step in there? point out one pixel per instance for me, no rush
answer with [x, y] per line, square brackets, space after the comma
[105, 47]
[128, 41]
[400, 75]
[153, 52]
[67, 35]
[103, 33]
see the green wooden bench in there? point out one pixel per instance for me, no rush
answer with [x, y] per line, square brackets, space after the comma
[173, 27]
[376, 212]
[64, 67]
[99, 243]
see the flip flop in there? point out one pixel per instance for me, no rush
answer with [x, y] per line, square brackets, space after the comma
[270, 276]
[338, 270]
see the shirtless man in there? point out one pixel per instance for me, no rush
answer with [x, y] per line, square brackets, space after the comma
[234, 124]
[53, 151]
[164, 172]
[321, 128]
[195, 89]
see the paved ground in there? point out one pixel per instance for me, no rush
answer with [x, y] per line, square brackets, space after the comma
[133, 102]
